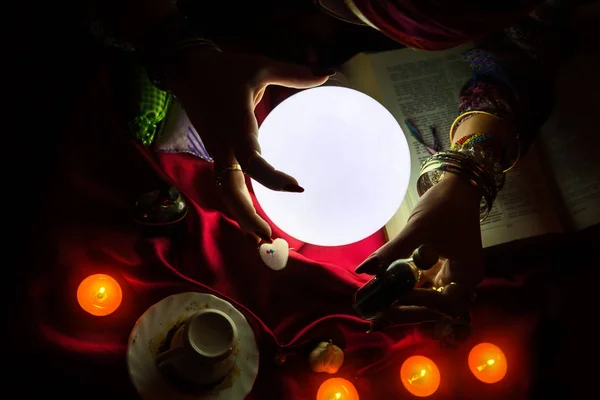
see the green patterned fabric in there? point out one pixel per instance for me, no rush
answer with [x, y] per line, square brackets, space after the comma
[153, 106]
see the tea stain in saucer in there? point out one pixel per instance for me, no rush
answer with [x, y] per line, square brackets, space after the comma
[161, 341]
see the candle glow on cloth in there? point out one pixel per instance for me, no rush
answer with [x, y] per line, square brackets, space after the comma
[99, 294]
[337, 389]
[488, 363]
[420, 376]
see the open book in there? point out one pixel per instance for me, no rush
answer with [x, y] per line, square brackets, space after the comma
[555, 188]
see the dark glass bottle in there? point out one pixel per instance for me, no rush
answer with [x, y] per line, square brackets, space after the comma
[393, 282]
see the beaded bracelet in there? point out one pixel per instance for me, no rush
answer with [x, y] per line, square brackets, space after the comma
[471, 140]
[463, 117]
[508, 162]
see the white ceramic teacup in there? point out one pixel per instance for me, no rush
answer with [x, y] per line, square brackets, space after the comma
[203, 349]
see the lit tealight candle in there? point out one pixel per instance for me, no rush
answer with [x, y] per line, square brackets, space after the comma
[420, 376]
[99, 294]
[487, 362]
[337, 389]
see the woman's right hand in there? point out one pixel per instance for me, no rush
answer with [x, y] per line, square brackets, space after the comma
[219, 92]
[447, 218]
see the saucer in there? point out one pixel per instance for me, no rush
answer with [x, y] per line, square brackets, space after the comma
[150, 332]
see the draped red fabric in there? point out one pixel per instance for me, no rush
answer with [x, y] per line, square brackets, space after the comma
[442, 24]
[99, 176]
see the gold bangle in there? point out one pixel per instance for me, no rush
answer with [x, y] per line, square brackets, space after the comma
[516, 159]
[466, 114]
[334, 14]
[231, 168]
[475, 112]
[359, 14]
[461, 165]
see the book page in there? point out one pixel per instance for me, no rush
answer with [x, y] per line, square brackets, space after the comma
[571, 137]
[424, 87]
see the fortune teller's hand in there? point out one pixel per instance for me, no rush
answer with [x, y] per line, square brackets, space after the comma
[219, 92]
[446, 217]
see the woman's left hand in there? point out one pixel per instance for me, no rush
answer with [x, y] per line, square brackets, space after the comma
[447, 218]
[219, 92]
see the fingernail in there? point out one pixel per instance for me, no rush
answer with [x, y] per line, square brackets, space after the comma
[254, 238]
[293, 188]
[264, 237]
[321, 71]
[372, 264]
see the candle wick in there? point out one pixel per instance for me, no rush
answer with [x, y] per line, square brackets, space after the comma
[484, 366]
[416, 377]
[101, 294]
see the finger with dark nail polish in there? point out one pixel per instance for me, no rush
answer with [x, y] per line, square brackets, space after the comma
[264, 173]
[370, 266]
[293, 188]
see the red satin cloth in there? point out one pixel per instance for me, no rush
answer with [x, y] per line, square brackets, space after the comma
[100, 174]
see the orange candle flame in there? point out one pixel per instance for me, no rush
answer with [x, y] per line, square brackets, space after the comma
[99, 294]
[337, 389]
[420, 376]
[487, 362]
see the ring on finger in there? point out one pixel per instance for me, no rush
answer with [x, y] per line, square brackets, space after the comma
[231, 168]
[441, 288]
[472, 293]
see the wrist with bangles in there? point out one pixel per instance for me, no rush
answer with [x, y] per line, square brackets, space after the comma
[508, 159]
[473, 157]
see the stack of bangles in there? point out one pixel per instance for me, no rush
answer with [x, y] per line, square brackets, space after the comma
[473, 159]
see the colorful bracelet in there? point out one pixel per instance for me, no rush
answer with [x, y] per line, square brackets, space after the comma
[463, 117]
[508, 162]
[471, 140]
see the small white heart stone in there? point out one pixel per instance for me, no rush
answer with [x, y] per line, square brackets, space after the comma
[275, 255]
